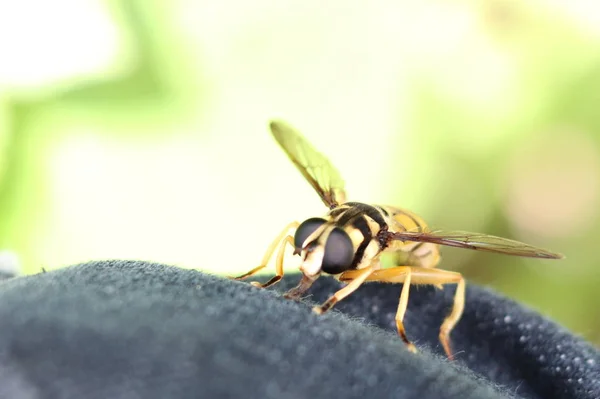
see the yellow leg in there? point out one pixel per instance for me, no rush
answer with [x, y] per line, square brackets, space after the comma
[453, 318]
[402, 304]
[278, 264]
[347, 290]
[401, 274]
[280, 242]
[420, 275]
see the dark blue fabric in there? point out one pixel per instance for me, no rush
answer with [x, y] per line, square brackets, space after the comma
[127, 329]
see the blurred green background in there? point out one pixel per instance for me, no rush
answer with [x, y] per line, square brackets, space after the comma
[138, 129]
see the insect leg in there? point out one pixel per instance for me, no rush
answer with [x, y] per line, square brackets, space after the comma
[347, 290]
[281, 239]
[278, 264]
[402, 304]
[419, 276]
[304, 284]
[397, 274]
[451, 320]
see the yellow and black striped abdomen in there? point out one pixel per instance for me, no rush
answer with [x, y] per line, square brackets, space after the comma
[410, 253]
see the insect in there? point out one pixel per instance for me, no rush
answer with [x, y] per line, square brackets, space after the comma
[348, 242]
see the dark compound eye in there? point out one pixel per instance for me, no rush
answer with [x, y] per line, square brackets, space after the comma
[339, 252]
[305, 229]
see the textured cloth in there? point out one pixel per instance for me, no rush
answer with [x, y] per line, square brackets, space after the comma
[127, 329]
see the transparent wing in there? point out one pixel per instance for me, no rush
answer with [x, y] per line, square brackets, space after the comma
[476, 241]
[313, 165]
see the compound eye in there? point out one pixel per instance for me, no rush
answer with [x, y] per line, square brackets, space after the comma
[305, 229]
[339, 252]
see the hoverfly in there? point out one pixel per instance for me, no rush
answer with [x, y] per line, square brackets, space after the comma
[349, 241]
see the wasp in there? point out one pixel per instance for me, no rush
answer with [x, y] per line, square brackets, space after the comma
[349, 241]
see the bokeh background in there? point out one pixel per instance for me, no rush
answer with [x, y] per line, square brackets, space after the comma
[138, 129]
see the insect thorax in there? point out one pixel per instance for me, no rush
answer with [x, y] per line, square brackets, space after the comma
[363, 223]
